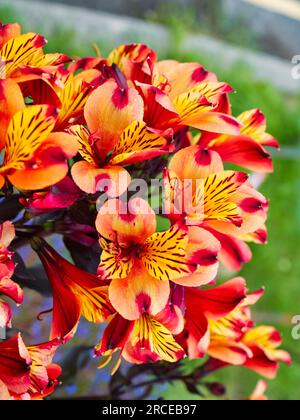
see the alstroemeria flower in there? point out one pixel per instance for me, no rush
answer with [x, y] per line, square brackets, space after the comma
[174, 95]
[35, 157]
[99, 121]
[140, 262]
[15, 365]
[226, 334]
[206, 306]
[247, 148]
[263, 341]
[116, 136]
[75, 293]
[199, 190]
[149, 338]
[187, 95]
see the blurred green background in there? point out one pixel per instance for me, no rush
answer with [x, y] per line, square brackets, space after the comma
[277, 264]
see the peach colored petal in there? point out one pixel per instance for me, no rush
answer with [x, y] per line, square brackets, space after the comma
[109, 110]
[113, 180]
[138, 293]
[36, 179]
[195, 163]
[203, 248]
[118, 223]
[11, 101]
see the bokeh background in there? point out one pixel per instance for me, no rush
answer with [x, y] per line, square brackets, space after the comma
[250, 44]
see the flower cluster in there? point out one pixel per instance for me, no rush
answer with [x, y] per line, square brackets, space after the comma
[74, 137]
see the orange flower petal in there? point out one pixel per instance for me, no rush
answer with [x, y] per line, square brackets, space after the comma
[11, 289]
[113, 264]
[63, 141]
[253, 207]
[234, 253]
[109, 110]
[51, 167]
[114, 336]
[7, 233]
[35, 179]
[194, 162]
[11, 101]
[138, 293]
[202, 250]
[114, 180]
[259, 392]
[82, 135]
[214, 122]
[229, 352]
[5, 315]
[216, 194]
[27, 130]
[159, 112]
[182, 77]
[218, 302]
[124, 224]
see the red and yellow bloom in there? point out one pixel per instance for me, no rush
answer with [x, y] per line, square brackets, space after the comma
[263, 341]
[116, 136]
[199, 100]
[140, 262]
[234, 340]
